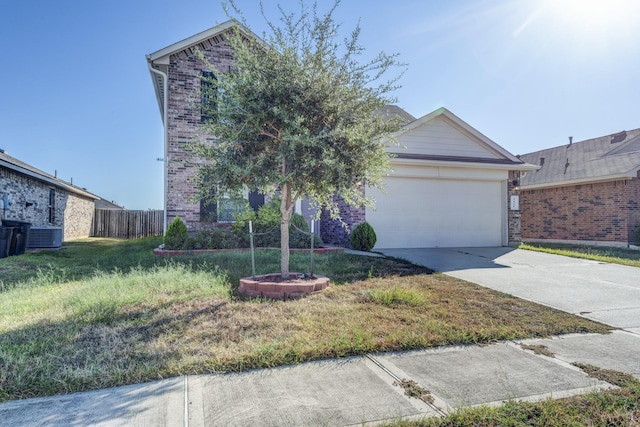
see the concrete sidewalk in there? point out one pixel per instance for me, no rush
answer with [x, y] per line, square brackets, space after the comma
[344, 392]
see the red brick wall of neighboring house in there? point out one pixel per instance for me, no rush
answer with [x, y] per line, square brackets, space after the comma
[183, 119]
[605, 211]
[332, 231]
[514, 215]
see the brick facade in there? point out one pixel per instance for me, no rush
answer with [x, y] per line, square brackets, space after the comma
[605, 211]
[72, 212]
[183, 117]
[333, 231]
[184, 70]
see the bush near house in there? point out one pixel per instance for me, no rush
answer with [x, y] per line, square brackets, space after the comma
[363, 237]
[266, 228]
[177, 235]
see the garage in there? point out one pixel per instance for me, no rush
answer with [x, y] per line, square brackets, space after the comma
[449, 186]
[438, 212]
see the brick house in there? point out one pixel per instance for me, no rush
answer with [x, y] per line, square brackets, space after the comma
[584, 192]
[176, 73]
[450, 185]
[31, 195]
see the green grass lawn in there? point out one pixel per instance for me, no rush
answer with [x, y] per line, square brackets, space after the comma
[104, 312]
[596, 253]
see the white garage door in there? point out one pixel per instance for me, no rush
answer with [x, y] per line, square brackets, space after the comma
[428, 213]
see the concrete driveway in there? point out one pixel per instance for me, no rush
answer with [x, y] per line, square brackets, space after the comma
[607, 293]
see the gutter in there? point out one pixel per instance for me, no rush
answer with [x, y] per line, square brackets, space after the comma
[452, 162]
[165, 85]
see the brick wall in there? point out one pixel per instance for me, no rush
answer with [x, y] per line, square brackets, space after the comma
[333, 232]
[183, 117]
[72, 212]
[606, 211]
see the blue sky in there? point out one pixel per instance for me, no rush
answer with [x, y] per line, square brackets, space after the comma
[76, 96]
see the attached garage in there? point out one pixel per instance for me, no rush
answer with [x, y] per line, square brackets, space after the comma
[426, 212]
[449, 186]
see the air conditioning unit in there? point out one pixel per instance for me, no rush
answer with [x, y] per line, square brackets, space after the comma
[44, 237]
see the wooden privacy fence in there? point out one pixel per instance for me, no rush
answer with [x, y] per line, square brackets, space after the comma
[125, 224]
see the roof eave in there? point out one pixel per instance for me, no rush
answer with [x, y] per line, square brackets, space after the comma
[53, 181]
[465, 164]
[586, 180]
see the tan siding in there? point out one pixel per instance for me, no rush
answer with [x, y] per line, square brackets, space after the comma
[439, 138]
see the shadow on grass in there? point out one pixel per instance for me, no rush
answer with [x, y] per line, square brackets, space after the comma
[95, 349]
[83, 259]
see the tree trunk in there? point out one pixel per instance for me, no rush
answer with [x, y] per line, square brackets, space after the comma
[286, 210]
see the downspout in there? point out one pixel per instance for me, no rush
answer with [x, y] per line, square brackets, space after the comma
[165, 103]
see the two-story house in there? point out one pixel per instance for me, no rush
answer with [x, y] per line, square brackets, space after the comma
[449, 185]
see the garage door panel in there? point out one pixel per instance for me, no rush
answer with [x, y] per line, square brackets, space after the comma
[425, 212]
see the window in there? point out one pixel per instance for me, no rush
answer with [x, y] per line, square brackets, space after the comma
[208, 211]
[256, 200]
[208, 96]
[52, 205]
[227, 207]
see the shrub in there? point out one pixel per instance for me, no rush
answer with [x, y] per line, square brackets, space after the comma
[177, 236]
[214, 239]
[266, 226]
[363, 237]
[299, 233]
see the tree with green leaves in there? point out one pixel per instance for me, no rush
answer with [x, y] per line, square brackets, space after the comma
[299, 114]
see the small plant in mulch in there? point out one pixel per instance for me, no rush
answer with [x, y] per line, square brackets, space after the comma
[415, 390]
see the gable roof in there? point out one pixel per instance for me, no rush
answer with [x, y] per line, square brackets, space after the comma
[393, 111]
[606, 158]
[451, 140]
[160, 59]
[19, 166]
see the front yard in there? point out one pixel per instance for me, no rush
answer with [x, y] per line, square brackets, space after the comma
[102, 313]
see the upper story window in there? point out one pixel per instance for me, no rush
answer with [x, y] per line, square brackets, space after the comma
[208, 96]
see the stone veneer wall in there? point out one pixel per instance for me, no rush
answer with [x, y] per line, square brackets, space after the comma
[514, 217]
[78, 217]
[183, 117]
[605, 211]
[72, 212]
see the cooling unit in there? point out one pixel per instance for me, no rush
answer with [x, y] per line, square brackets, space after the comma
[45, 237]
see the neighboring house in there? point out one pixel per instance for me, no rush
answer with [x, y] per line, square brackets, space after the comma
[584, 192]
[31, 195]
[451, 186]
[105, 204]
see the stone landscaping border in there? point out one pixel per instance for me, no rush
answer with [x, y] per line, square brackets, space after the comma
[271, 286]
